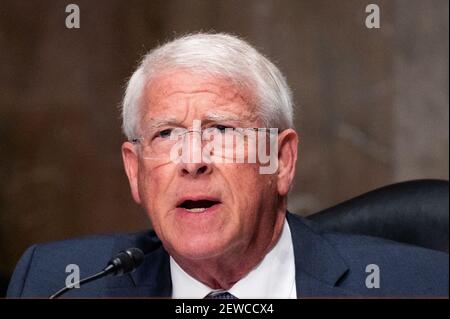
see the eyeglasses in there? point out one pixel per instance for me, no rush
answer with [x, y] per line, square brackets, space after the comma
[214, 142]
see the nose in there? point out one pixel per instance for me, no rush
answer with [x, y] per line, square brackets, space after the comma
[195, 165]
[195, 169]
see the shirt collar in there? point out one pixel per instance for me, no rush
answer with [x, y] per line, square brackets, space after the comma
[263, 281]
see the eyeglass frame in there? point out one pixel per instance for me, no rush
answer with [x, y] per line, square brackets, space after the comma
[136, 140]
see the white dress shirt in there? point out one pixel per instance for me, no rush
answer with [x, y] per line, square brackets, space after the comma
[273, 277]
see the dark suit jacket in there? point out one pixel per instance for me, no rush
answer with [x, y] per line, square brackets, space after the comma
[326, 264]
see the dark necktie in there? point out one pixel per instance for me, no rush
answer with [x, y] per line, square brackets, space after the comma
[220, 295]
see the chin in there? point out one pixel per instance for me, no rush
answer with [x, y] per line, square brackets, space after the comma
[200, 248]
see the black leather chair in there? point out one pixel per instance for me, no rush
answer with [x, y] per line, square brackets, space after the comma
[414, 212]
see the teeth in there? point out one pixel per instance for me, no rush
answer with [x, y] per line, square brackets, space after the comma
[196, 210]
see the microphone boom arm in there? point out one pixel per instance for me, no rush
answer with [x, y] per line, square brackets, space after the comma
[124, 262]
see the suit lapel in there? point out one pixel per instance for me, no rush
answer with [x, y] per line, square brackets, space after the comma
[318, 265]
[152, 278]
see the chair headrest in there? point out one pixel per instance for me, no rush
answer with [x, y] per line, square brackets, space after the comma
[414, 212]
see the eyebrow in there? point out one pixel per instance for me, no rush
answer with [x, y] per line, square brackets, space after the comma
[155, 123]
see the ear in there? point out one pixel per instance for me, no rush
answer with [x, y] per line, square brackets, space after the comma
[131, 165]
[287, 158]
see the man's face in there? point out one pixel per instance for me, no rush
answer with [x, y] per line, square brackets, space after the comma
[202, 210]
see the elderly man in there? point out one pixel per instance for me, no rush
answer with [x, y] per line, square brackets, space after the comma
[201, 114]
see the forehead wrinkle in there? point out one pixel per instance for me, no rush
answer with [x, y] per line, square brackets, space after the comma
[217, 98]
[221, 116]
[222, 88]
[190, 102]
[170, 85]
[187, 99]
[222, 95]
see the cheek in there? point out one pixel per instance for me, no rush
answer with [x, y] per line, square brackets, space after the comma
[249, 187]
[151, 183]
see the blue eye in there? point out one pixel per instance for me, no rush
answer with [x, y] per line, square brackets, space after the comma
[164, 133]
[222, 128]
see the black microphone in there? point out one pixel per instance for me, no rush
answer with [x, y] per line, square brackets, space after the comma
[124, 262]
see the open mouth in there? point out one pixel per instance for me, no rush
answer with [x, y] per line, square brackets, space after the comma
[198, 206]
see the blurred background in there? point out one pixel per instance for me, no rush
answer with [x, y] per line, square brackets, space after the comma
[372, 105]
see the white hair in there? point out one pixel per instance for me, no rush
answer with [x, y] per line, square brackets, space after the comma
[217, 54]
